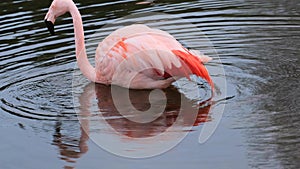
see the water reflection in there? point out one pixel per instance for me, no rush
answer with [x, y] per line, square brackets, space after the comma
[71, 148]
[140, 101]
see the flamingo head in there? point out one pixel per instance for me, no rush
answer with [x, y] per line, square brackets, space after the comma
[57, 8]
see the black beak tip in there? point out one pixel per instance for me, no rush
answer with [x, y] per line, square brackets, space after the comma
[50, 27]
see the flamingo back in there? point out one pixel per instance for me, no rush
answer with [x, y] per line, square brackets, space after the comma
[152, 52]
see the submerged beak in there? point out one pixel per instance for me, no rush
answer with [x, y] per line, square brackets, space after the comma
[50, 26]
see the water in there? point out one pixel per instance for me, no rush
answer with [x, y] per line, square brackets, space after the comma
[257, 42]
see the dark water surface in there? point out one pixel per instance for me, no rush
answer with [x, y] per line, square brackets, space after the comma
[257, 42]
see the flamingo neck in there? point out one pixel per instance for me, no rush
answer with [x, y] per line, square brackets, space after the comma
[83, 63]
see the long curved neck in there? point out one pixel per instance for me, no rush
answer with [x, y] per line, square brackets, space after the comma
[83, 63]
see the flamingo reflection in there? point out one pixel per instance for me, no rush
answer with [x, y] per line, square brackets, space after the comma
[71, 148]
[140, 101]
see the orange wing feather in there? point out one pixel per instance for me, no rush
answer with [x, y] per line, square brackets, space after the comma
[195, 65]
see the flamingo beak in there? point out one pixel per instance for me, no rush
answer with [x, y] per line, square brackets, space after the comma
[50, 26]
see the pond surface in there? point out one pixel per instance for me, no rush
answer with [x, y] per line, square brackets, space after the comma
[256, 41]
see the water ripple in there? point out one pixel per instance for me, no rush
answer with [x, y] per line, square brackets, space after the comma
[257, 42]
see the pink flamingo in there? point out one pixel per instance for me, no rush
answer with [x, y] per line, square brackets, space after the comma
[154, 58]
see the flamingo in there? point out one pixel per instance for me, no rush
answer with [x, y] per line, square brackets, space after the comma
[154, 58]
